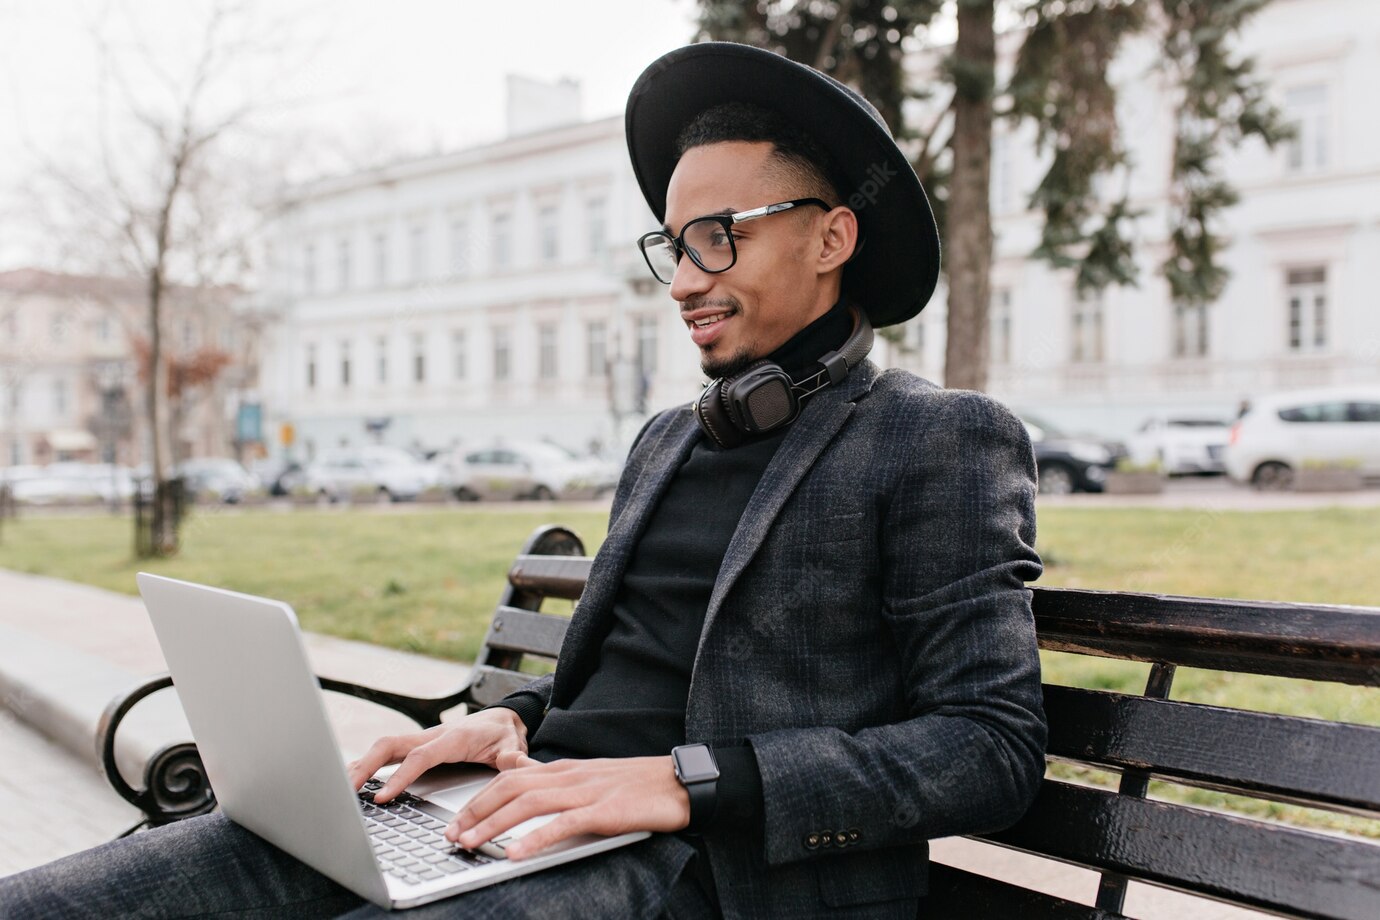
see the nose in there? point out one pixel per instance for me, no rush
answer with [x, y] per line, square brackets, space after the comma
[689, 280]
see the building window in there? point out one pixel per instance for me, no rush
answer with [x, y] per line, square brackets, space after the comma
[1087, 329]
[1000, 318]
[458, 357]
[546, 351]
[11, 321]
[311, 367]
[309, 269]
[459, 247]
[1306, 108]
[1307, 309]
[1190, 330]
[596, 226]
[59, 397]
[188, 335]
[418, 357]
[345, 364]
[381, 356]
[57, 327]
[502, 242]
[501, 354]
[103, 329]
[646, 347]
[342, 256]
[381, 259]
[417, 244]
[596, 348]
[549, 233]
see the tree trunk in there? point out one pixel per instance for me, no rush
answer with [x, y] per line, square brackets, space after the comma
[970, 216]
[162, 522]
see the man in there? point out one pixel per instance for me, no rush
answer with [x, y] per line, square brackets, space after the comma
[813, 580]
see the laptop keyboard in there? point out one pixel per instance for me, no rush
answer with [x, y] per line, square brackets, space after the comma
[409, 843]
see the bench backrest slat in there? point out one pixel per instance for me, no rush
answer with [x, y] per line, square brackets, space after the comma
[958, 893]
[492, 684]
[1272, 867]
[550, 576]
[1313, 641]
[527, 632]
[1304, 761]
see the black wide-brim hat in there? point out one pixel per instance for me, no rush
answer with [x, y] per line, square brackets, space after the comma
[894, 273]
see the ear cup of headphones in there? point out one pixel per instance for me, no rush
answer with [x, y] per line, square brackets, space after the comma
[761, 399]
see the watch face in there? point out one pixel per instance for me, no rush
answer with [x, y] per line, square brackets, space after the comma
[696, 764]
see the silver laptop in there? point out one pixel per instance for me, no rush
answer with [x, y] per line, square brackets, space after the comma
[257, 715]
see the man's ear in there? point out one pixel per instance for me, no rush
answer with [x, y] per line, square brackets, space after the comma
[839, 231]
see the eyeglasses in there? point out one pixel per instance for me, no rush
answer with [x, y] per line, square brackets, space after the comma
[708, 241]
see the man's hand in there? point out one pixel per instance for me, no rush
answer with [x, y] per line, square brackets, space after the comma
[481, 737]
[601, 796]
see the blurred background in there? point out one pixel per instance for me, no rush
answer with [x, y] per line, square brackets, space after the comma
[324, 250]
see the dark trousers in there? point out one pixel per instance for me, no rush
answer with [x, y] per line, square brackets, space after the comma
[209, 866]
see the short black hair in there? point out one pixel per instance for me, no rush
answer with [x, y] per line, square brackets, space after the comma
[800, 159]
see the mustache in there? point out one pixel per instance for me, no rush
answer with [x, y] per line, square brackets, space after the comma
[697, 303]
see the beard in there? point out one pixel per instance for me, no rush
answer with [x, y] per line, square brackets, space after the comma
[715, 365]
[728, 366]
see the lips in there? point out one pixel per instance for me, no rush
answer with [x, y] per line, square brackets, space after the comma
[706, 325]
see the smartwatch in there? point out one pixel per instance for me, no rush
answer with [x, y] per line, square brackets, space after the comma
[699, 774]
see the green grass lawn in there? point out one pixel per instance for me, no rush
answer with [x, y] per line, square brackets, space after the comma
[427, 581]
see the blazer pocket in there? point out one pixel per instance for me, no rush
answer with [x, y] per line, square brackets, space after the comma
[873, 876]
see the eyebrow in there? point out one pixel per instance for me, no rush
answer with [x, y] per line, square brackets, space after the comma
[722, 212]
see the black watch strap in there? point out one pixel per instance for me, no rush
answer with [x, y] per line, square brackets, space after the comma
[699, 774]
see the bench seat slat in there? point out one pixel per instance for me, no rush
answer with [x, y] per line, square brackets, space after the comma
[1285, 758]
[550, 576]
[1247, 862]
[956, 894]
[527, 632]
[1313, 641]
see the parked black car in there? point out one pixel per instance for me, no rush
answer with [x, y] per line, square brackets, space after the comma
[1069, 463]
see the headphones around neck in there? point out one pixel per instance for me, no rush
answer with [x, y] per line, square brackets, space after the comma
[763, 398]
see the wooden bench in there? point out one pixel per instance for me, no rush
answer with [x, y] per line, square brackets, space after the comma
[1119, 833]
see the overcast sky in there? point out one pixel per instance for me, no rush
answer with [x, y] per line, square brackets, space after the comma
[411, 74]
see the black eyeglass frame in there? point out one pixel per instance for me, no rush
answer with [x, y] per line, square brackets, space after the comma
[727, 221]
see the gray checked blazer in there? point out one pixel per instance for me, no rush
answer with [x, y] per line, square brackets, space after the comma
[869, 635]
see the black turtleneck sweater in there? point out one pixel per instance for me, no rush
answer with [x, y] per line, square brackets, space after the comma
[633, 704]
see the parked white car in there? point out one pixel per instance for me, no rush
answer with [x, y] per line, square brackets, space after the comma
[386, 471]
[527, 469]
[1180, 444]
[218, 479]
[1278, 434]
[63, 483]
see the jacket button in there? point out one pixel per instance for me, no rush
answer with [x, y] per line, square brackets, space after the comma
[826, 838]
[854, 835]
[812, 841]
[841, 839]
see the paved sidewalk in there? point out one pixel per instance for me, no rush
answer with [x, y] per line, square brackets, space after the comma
[65, 649]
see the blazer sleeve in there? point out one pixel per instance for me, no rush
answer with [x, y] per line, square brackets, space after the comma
[956, 547]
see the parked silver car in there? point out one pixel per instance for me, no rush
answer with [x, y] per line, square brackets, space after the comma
[383, 471]
[527, 469]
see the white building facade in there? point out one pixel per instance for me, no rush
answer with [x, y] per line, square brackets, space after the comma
[1303, 247]
[487, 294]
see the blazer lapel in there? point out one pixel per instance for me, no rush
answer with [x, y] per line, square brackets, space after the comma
[819, 422]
